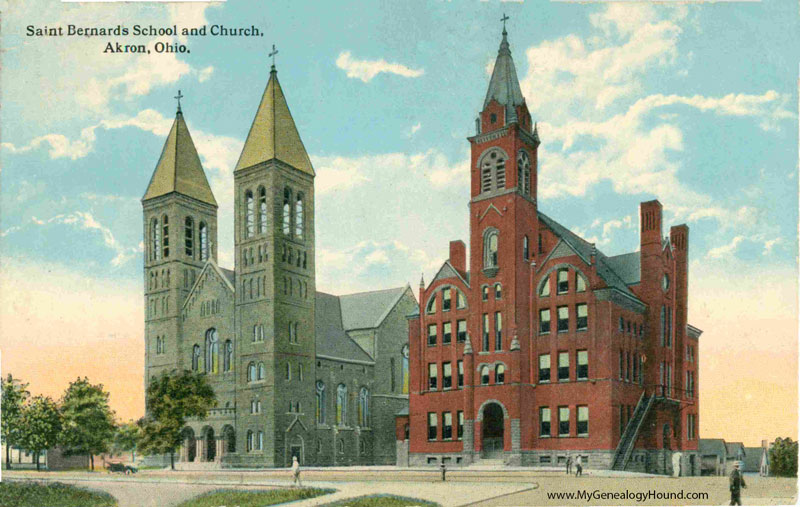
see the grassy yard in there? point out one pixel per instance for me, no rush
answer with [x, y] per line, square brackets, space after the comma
[253, 498]
[381, 501]
[52, 494]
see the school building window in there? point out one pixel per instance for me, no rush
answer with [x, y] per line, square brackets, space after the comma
[460, 429]
[544, 290]
[562, 286]
[446, 300]
[582, 361]
[544, 421]
[485, 332]
[563, 319]
[432, 376]
[447, 376]
[544, 321]
[431, 334]
[447, 332]
[447, 425]
[498, 331]
[544, 368]
[563, 421]
[461, 330]
[432, 425]
[460, 373]
[563, 366]
[580, 283]
[583, 421]
[582, 311]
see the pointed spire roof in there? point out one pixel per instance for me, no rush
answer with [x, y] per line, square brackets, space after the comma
[504, 85]
[273, 133]
[179, 168]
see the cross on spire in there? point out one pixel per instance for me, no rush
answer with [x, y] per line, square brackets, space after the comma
[272, 54]
[504, 19]
[179, 96]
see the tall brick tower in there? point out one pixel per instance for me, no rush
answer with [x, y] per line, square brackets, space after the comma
[274, 247]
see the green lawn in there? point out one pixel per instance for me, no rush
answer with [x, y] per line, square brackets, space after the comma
[252, 498]
[381, 501]
[51, 494]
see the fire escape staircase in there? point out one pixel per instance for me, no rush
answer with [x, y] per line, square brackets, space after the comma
[631, 433]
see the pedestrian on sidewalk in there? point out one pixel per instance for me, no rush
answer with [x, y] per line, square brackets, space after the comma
[578, 466]
[736, 485]
[296, 472]
[569, 464]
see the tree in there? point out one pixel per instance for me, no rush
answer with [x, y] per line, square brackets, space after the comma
[170, 399]
[88, 421]
[126, 438]
[15, 394]
[41, 426]
[783, 458]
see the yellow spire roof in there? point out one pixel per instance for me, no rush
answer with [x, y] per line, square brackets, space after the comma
[179, 168]
[274, 134]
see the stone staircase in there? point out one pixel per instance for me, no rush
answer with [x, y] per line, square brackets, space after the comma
[631, 433]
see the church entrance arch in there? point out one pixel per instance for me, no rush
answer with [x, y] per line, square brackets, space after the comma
[229, 435]
[189, 444]
[211, 445]
[492, 431]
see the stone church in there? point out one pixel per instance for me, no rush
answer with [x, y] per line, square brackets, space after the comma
[296, 372]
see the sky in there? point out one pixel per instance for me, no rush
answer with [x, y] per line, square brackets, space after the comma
[692, 104]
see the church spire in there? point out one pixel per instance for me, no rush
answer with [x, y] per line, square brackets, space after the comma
[179, 169]
[504, 85]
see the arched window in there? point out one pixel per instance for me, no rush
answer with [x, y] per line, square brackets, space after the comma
[188, 236]
[249, 218]
[262, 372]
[341, 404]
[493, 171]
[212, 351]
[287, 212]
[499, 374]
[404, 353]
[298, 216]
[490, 247]
[249, 440]
[431, 305]
[525, 248]
[165, 235]
[155, 240]
[251, 372]
[228, 363]
[484, 375]
[524, 172]
[203, 241]
[262, 210]
[230, 439]
[195, 357]
[320, 402]
[363, 408]
[260, 442]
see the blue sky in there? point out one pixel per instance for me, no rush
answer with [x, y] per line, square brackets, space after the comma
[695, 105]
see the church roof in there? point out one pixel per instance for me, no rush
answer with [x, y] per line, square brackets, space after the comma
[273, 134]
[366, 310]
[504, 85]
[627, 266]
[179, 168]
[331, 338]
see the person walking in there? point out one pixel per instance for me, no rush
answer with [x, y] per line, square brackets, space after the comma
[569, 464]
[578, 466]
[296, 471]
[736, 485]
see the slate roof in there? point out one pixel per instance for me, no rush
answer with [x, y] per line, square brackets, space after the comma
[627, 266]
[708, 446]
[733, 449]
[584, 250]
[230, 275]
[504, 84]
[752, 459]
[331, 338]
[179, 168]
[366, 310]
[273, 134]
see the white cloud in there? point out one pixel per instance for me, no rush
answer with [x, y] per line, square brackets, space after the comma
[414, 129]
[59, 146]
[366, 70]
[205, 74]
[770, 244]
[725, 251]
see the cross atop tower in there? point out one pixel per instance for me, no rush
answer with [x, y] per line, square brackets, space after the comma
[272, 54]
[179, 96]
[504, 19]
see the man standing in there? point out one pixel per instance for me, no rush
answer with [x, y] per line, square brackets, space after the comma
[296, 471]
[578, 466]
[569, 464]
[736, 485]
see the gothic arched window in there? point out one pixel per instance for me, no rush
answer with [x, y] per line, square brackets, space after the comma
[228, 362]
[165, 235]
[155, 240]
[363, 408]
[249, 440]
[341, 404]
[212, 351]
[203, 241]
[525, 248]
[493, 170]
[484, 375]
[490, 247]
[287, 212]
[188, 236]
[251, 372]
[262, 210]
[195, 357]
[320, 402]
[499, 374]
[249, 220]
[298, 216]
[405, 368]
[524, 172]
[262, 372]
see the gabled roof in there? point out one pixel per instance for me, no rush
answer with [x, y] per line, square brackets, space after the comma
[448, 271]
[752, 458]
[627, 266]
[366, 310]
[273, 134]
[504, 85]
[712, 446]
[584, 250]
[226, 275]
[331, 338]
[733, 448]
[179, 169]
[230, 275]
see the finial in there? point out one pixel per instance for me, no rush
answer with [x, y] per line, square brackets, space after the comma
[467, 347]
[504, 19]
[422, 281]
[179, 96]
[272, 54]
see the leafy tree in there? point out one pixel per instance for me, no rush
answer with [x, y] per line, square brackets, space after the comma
[15, 394]
[88, 421]
[171, 398]
[41, 426]
[783, 458]
[126, 438]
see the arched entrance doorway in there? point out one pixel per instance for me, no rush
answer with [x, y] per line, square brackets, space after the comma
[492, 431]
[229, 435]
[189, 445]
[211, 445]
